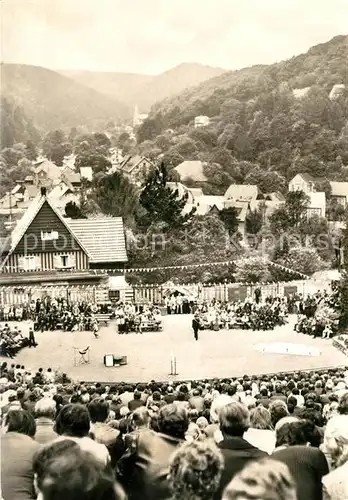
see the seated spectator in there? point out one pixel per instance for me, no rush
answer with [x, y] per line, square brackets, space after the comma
[17, 451]
[335, 484]
[195, 470]
[264, 479]
[101, 431]
[342, 408]
[306, 464]
[47, 453]
[234, 421]
[331, 430]
[136, 402]
[73, 422]
[261, 433]
[76, 474]
[45, 412]
[143, 469]
[278, 410]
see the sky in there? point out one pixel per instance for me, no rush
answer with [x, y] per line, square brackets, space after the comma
[152, 36]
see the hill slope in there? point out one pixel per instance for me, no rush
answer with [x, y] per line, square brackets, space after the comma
[260, 130]
[52, 100]
[15, 126]
[120, 86]
[145, 90]
[324, 65]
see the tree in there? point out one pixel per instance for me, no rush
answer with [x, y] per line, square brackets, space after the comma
[253, 221]
[73, 211]
[267, 180]
[252, 270]
[291, 214]
[55, 146]
[97, 161]
[31, 151]
[148, 130]
[115, 195]
[305, 260]
[11, 156]
[229, 218]
[160, 203]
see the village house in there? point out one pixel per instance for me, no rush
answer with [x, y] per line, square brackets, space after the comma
[45, 247]
[339, 193]
[201, 121]
[317, 200]
[242, 192]
[302, 182]
[136, 168]
[191, 170]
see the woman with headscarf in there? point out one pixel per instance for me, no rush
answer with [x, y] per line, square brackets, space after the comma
[335, 484]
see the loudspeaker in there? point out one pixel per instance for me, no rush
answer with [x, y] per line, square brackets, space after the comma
[109, 360]
[112, 360]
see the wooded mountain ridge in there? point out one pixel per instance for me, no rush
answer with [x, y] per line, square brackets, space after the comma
[261, 131]
[145, 90]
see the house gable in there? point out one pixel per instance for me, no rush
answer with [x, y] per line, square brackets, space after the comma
[46, 220]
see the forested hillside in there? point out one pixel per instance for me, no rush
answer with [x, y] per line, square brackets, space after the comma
[261, 131]
[15, 125]
[52, 100]
[145, 90]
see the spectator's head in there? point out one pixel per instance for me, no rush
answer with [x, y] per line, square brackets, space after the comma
[76, 474]
[173, 420]
[45, 407]
[47, 453]
[336, 439]
[140, 418]
[260, 418]
[73, 420]
[98, 410]
[195, 471]
[342, 408]
[234, 419]
[20, 421]
[137, 395]
[264, 479]
[278, 410]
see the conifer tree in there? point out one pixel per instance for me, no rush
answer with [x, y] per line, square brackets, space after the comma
[161, 204]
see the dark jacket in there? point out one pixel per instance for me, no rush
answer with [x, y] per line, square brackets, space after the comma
[307, 466]
[17, 475]
[195, 324]
[144, 468]
[237, 452]
[135, 403]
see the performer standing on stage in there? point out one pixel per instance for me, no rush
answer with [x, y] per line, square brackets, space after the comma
[195, 326]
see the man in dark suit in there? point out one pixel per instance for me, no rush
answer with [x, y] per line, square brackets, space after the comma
[195, 326]
[237, 452]
[144, 468]
[32, 338]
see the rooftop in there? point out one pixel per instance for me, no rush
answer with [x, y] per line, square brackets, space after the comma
[103, 238]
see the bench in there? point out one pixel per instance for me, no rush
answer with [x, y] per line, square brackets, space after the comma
[151, 326]
[102, 318]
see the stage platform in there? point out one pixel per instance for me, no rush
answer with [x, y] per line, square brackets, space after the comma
[225, 353]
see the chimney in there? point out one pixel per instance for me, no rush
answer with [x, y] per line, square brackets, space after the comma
[43, 191]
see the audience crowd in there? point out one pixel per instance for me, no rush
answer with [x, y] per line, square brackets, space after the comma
[249, 315]
[317, 315]
[269, 437]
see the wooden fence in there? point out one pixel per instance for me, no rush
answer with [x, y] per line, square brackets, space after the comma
[153, 294]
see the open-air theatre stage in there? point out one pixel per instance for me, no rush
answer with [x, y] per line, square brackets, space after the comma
[224, 353]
